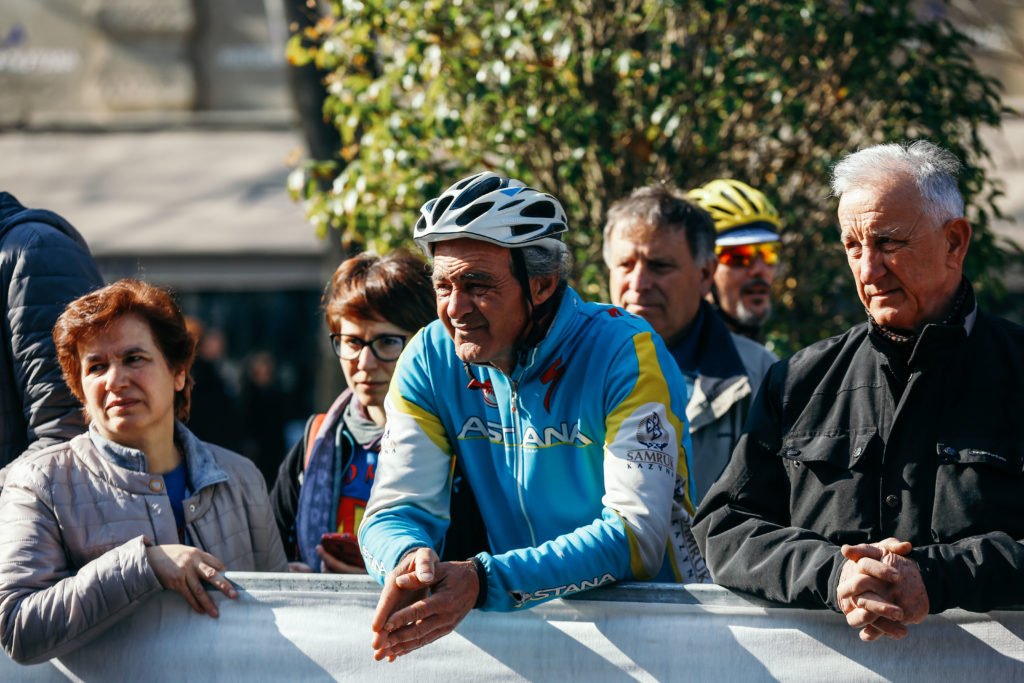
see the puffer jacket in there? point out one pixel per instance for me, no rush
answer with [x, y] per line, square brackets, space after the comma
[44, 264]
[75, 524]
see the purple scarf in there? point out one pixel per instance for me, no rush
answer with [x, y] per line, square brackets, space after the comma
[317, 500]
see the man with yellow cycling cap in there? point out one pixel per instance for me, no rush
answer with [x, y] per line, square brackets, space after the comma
[747, 247]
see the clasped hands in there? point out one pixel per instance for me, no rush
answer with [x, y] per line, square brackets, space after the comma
[881, 590]
[422, 600]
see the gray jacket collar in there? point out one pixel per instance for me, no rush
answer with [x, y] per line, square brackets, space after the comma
[203, 469]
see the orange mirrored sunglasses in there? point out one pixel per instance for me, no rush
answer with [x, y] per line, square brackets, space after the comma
[742, 255]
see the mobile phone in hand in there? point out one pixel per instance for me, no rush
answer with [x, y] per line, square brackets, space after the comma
[344, 547]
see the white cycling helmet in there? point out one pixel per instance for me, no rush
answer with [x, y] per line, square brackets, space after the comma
[492, 208]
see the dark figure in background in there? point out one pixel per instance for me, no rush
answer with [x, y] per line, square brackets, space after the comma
[44, 264]
[215, 416]
[882, 469]
[266, 409]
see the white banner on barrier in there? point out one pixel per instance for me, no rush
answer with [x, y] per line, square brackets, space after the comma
[298, 628]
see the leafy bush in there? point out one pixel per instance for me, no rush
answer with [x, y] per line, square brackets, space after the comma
[589, 99]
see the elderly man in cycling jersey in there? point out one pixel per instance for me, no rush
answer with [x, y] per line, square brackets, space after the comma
[567, 419]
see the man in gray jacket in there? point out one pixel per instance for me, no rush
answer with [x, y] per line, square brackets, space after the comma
[44, 264]
[659, 249]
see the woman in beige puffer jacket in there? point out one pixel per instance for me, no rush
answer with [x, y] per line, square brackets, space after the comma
[88, 530]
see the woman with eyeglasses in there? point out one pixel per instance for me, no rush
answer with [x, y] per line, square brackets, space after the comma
[373, 305]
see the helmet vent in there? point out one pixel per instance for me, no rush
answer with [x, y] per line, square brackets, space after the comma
[466, 181]
[541, 209]
[472, 213]
[742, 194]
[526, 229]
[471, 194]
[511, 204]
[440, 208]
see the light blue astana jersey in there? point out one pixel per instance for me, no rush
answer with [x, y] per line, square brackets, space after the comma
[574, 459]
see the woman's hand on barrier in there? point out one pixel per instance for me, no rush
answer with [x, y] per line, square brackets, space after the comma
[299, 568]
[332, 565]
[183, 569]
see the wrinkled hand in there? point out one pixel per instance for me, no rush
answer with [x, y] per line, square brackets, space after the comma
[423, 599]
[183, 569]
[331, 565]
[881, 590]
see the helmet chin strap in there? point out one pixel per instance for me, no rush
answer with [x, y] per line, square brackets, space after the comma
[537, 323]
[538, 317]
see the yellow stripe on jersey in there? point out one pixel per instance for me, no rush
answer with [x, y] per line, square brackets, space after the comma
[428, 423]
[683, 474]
[670, 553]
[651, 387]
[636, 562]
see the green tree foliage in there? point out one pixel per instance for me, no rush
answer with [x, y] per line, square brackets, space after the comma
[590, 99]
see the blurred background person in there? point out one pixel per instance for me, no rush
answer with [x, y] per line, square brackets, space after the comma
[747, 247]
[266, 410]
[44, 264]
[215, 411]
[91, 528]
[372, 306]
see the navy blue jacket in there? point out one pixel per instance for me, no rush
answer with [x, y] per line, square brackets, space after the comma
[44, 264]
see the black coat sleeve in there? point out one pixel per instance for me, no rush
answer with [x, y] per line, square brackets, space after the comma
[284, 497]
[979, 574]
[743, 524]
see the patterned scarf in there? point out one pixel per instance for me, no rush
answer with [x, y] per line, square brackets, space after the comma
[317, 503]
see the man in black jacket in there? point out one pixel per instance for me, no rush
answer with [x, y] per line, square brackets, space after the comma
[882, 470]
[44, 264]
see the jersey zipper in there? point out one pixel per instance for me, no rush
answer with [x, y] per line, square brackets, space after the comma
[520, 462]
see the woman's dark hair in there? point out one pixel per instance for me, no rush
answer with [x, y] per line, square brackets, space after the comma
[87, 315]
[395, 288]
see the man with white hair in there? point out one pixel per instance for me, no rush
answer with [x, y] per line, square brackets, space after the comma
[882, 469]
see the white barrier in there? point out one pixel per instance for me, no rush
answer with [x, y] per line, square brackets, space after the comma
[316, 628]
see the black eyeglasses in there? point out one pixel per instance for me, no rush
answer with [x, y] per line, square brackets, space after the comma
[386, 347]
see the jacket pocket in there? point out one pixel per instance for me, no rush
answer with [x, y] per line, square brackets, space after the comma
[827, 472]
[978, 485]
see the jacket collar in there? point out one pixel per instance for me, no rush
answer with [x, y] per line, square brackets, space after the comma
[561, 325]
[716, 355]
[203, 470]
[721, 376]
[938, 342]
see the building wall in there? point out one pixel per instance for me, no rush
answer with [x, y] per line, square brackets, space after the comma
[109, 61]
